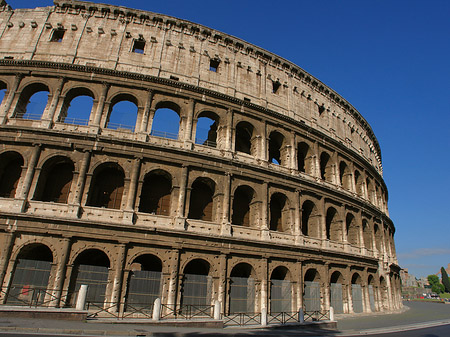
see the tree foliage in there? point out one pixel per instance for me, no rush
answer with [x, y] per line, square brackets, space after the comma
[445, 280]
[433, 279]
[438, 288]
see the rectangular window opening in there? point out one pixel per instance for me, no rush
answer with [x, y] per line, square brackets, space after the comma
[214, 65]
[57, 35]
[138, 46]
[275, 86]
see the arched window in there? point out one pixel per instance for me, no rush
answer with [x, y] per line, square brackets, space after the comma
[3, 89]
[311, 297]
[279, 213]
[336, 292]
[242, 289]
[166, 122]
[367, 235]
[352, 230]
[280, 291]
[32, 102]
[77, 107]
[276, 144]
[372, 289]
[156, 193]
[107, 187]
[242, 200]
[325, 167]
[378, 238]
[201, 201]
[55, 181]
[370, 190]
[357, 295]
[359, 184]
[31, 273]
[345, 176]
[144, 282]
[122, 113]
[244, 138]
[10, 170]
[304, 158]
[333, 225]
[91, 268]
[197, 285]
[310, 220]
[206, 130]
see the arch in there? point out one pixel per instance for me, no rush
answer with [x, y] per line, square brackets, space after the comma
[367, 235]
[359, 184]
[32, 101]
[242, 202]
[276, 148]
[10, 171]
[107, 186]
[326, 168]
[91, 267]
[378, 237]
[77, 106]
[206, 128]
[55, 180]
[312, 291]
[242, 289]
[357, 294]
[345, 176]
[201, 201]
[337, 292]
[166, 121]
[372, 292]
[244, 139]
[352, 230]
[370, 190]
[122, 112]
[333, 225]
[310, 219]
[279, 213]
[304, 158]
[156, 193]
[280, 290]
[3, 90]
[29, 282]
[197, 284]
[144, 281]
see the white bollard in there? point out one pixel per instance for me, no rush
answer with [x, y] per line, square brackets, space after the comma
[264, 316]
[81, 298]
[157, 310]
[301, 316]
[216, 309]
[331, 314]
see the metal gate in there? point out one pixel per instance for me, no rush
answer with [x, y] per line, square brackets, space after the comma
[96, 278]
[143, 288]
[372, 298]
[336, 298]
[311, 298]
[196, 289]
[357, 298]
[242, 295]
[280, 296]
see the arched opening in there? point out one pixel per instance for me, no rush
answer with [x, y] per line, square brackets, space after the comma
[310, 220]
[30, 277]
[3, 89]
[345, 176]
[197, 286]
[201, 201]
[107, 187]
[77, 107]
[280, 291]
[144, 282]
[370, 190]
[156, 193]
[242, 289]
[10, 170]
[326, 169]
[206, 130]
[166, 121]
[367, 235]
[384, 303]
[333, 225]
[371, 283]
[378, 238]
[304, 158]
[359, 184]
[279, 213]
[357, 295]
[32, 102]
[122, 113]
[244, 138]
[336, 292]
[91, 268]
[242, 200]
[352, 230]
[55, 180]
[311, 295]
[276, 144]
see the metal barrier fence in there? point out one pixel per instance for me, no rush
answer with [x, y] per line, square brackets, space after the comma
[283, 317]
[242, 319]
[35, 297]
[187, 311]
[29, 116]
[162, 134]
[313, 316]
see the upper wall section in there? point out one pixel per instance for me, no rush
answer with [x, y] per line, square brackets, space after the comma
[123, 39]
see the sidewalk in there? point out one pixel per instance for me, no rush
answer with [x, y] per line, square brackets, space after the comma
[419, 314]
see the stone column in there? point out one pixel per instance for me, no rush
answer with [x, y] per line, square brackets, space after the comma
[226, 225]
[47, 120]
[29, 177]
[222, 295]
[10, 97]
[6, 249]
[293, 153]
[78, 193]
[264, 155]
[316, 160]
[264, 286]
[326, 287]
[365, 290]
[147, 113]
[297, 221]
[129, 208]
[299, 277]
[118, 277]
[173, 281]
[188, 126]
[101, 104]
[265, 212]
[60, 272]
[230, 131]
[181, 216]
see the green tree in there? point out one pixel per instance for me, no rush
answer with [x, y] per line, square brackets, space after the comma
[445, 280]
[433, 279]
[438, 288]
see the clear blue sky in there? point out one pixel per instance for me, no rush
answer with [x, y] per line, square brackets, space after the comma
[389, 59]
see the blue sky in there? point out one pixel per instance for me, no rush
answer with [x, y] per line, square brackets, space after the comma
[389, 59]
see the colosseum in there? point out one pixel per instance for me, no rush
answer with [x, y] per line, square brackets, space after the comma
[173, 161]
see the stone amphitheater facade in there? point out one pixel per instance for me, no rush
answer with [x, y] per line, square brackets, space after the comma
[282, 206]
